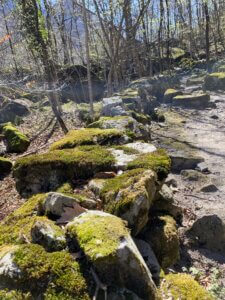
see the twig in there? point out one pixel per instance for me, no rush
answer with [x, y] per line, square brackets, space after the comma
[99, 285]
[188, 195]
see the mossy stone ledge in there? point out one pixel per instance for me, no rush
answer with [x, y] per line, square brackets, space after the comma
[89, 136]
[44, 275]
[17, 142]
[198, 100]
[170, 94]
[47, 172]
[107, 244]
[158, 161]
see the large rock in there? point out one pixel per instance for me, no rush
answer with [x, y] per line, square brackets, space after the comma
[125, 124]
[13, 109]
[108, 245]
[130, 197]
[44, 275]
[161, 233]
[113, 106]
[75, 84]
[208, 231]
[48, 235]
[197, 100]
[181, 161]
[16, 141]
[215, 81]
[46, 172]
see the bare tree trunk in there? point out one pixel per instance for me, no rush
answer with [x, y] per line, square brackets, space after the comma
[88, 59]
[207, 20]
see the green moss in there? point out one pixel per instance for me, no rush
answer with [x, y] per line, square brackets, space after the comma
[177, 53]
[141, 118]
[126, 185]
[219, 75]
[157, 161]
[16, 140]
[102, 120]
[88, 136]
[14, 295]
[169, 92]
[5, 165]
[84, 111]
[98, 236]
[18, 224]
[66, 189]
[163, 236]
[183, 286]
[126, 150]
[56, 275]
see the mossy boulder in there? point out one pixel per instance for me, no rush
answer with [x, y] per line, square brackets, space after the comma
[198, 100]
[46, 172]
[29, 268]
[89, 136]
[5, 166]
[107, 244]
[125, 124]
[183, 286]
[16, 141]
[17, 226]
[11, 110]
[130, 197]
[215, 81]
[162, 235]
[141, 118]
[170, 94]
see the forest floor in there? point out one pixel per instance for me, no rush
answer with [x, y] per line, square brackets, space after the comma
[197, 132]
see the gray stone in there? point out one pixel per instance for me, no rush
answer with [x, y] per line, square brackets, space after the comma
[113, 106]
[13, 109]
[149, 257]
[209, 188]
[209, 232]
[96, 185]
[48, 235]
[55, 203]
[182, 162]
[142, 147]
[122, 159]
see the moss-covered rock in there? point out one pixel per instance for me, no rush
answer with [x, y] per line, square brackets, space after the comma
[170, 94]
[124, 124]
[16, 141]
[157, 161]
[215, 81]
[107, 244]
[50, 275]
[198, 100]
[162, 235]
[17, 226]
[141, 118]
[89, 136]
[130, 197]
[183, 286]
[46, 172]
[195, 81]
[5, 166]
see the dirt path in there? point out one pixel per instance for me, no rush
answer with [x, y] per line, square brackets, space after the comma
[199, 133]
